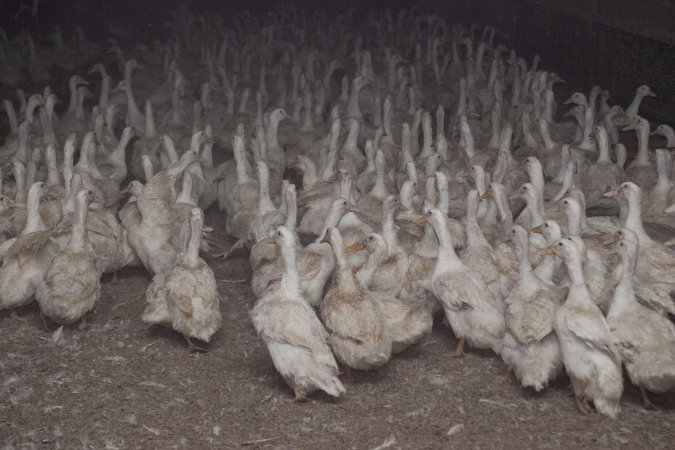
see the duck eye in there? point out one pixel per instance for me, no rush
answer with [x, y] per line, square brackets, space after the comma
[560, 244]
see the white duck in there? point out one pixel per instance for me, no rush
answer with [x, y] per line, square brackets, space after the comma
[471, 309]
[530, 347]
[589, 352]
[185, 297]
[72, 283]
[644, 338]
[297, 341]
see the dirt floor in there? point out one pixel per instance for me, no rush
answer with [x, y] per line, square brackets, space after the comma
[120, 384]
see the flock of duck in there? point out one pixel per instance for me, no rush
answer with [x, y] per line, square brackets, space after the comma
[437, 179]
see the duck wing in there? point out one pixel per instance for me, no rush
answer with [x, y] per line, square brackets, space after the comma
[156, 199]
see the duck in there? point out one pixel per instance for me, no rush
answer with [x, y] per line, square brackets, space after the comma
[473, 313]
[407, 322]
[26, 257]
[655, 269]
[641, 171]
[644, 338]
[589, 352]
[530, 347]
[72, 284]
[151, 237]
[185, 297]
[663, 193]
[352, 317]
[315, 261]
[602, 175]
[385, 270]
[297, 342]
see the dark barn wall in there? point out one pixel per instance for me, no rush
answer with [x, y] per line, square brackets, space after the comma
[618, 44]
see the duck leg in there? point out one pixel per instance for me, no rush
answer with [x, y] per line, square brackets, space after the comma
[192, 347]
[580, 396]
[459, 351]
[648, 404]
[508, 375]
[349, 375]
[45, 325]
[83, 323]
[300, 396]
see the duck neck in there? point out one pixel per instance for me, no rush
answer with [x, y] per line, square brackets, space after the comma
[603, 145]
[546, 136]
[309, 173]
[290, 281]
[118, 155]
[534, 207]
[191, 258]
[104, 97]
[624, 293]
[525, 267]
[447, 258]
[72, 102]
[473, 232]
[389, 232]
[271, 133]
[240, 161]
[350, 146]
[265, 204]
[573, 220]
[150, 130]
[634, 220]
[132, 107]
[53, 177]
[575, 271]
[353, 108]
[467, 137]
[428, 246]
[11, 114]
[33, 218]
[536, 174]
[642, 158]
[505, 216]
[78, 238]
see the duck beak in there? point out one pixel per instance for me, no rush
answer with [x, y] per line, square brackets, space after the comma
[569, 101]
[545, 251]
[612, 193]
[486, 196]
[651, 93]
[421, 221]
[355, 247]
[538, 229]
[514, 195]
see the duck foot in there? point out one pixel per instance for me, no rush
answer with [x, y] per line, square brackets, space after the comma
[14, 316]
[645, 400]
[349, 375]
[192, 347]
[580, 396]
[300, 396]
[237, 245]
[83, 323]
[459, 351]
